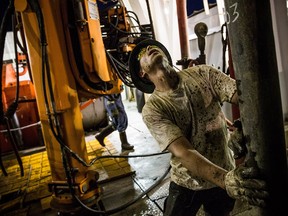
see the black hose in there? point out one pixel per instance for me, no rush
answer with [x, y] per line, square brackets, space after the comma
[34, 4]
[14, 146]
[141, 195]
[117, 209]
[24, 50]
[4, 117]
[13, 106]
[112, 61]
[3, 31]
[2, 165]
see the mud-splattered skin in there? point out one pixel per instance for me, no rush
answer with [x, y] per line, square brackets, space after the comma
[193, 109]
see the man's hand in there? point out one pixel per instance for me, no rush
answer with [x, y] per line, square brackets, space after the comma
[242, 183]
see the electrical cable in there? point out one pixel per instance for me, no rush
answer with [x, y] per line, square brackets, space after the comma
[24, 47]
[14, 146]
[5, 117]
[136, 20]
[13, 106]
[122, 77]
[150, 18]
[117, 209]
[3, 31]
[121, 70]
[130, 33]
[134, 180]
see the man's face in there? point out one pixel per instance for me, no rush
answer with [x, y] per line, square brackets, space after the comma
[151, 58]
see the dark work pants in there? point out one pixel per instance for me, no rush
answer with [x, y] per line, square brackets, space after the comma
[116, 111]
[184, 202]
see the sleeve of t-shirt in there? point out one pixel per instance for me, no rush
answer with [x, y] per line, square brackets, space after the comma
[160, 126]
[223, 85]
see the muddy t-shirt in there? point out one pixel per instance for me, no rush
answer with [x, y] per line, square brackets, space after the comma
[193, 110]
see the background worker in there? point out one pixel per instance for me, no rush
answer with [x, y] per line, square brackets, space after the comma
[118, 120]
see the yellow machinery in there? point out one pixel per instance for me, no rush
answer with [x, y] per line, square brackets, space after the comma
[76, 52]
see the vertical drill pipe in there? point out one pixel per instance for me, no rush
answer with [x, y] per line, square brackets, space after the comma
[254, 58]
[183, 32]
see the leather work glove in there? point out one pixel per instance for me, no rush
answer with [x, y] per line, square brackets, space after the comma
[237, 142]
[242, 183]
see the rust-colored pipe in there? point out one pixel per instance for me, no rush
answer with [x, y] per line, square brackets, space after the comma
[183, 33]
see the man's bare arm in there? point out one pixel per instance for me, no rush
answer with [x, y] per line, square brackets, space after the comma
[197, 164]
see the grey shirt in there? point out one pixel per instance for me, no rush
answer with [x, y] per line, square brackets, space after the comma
[193, 110]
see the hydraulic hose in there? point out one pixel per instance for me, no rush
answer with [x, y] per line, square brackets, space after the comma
[3, 31]
[5, 117]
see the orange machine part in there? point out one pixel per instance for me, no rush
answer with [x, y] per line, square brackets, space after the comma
[27, 112]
